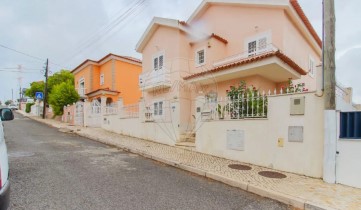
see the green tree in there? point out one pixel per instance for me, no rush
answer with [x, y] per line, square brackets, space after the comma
[61, 95]
[34, 87]
[58, 78]
[8, 102]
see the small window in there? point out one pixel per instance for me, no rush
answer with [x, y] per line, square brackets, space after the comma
[102, 79]
[200, 57]
[311, 67]
[158, 108]
[158, 62]
[257, 46]
[350, 125]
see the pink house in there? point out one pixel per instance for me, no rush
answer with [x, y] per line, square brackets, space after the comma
[263, 43]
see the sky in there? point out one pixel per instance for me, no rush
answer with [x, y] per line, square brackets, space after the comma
[69, 32]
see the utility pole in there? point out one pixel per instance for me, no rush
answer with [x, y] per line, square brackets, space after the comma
[45, 87]
[329, 55]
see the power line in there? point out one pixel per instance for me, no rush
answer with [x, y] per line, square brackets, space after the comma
[109, 27]
[26, 54]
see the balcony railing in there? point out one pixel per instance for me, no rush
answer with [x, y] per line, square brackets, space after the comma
[155, 79]
[245, 55]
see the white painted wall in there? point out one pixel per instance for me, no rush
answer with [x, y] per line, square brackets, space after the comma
[155, 131]
[261, 137]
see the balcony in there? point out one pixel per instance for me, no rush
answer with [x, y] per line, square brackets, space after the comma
[268, 62]
[81, 92]
[155, 79]
[244, 55]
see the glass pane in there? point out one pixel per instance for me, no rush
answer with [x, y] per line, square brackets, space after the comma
[155, 108]
[160, 61]
[262, 44]
[252, 47]
[200, 56]
[155, 64]
[160, 108]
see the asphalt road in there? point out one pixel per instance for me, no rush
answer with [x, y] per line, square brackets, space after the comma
[54, 170]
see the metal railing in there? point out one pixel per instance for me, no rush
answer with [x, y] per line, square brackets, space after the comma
[129, 111]
[111, 109]
[245, 55]
[155, 78]
[247, 105]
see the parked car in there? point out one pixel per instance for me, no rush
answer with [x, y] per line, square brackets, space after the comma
[5, 115]
[13, 107]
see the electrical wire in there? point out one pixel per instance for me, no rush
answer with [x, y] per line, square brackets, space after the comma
[108, 28]
[29, 55]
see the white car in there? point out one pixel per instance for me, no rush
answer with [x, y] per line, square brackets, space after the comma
[5, 115]
[13, 107]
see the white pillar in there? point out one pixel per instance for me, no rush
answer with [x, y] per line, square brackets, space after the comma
[86, 111]
[120, 105]
[330, 146]
[200, 101]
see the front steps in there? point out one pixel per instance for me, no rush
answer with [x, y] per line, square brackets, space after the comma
[187, 141]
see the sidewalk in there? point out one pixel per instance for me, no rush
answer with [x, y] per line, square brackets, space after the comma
[296, 190]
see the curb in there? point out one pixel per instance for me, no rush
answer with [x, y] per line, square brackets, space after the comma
[283, 198]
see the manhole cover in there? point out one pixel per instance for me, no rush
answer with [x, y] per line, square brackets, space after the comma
[239, 167]
[272, 174]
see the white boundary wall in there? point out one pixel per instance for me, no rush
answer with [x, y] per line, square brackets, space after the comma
[261, 137]
[161, 132]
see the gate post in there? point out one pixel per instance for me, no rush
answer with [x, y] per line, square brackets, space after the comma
[86, 111]
[329, 147]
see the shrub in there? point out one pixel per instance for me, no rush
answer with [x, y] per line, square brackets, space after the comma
[28, 107]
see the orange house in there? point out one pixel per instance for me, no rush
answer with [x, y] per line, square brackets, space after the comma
[113, 76]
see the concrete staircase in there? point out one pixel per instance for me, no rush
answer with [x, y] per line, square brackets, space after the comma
[187, 141]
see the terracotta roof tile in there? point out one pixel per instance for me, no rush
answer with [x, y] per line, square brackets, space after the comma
[278, 54]
[219, 38]
[105, 57]
[105, 89]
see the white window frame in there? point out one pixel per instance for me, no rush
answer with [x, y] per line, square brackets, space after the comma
[198, 64]
[157, 56]
[101, 79]
[311, 66]
[80, 81]
[158, 108]
[81, 88]
[257, 38]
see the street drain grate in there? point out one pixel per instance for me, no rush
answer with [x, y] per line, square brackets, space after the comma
[272, 174]
[239, 167]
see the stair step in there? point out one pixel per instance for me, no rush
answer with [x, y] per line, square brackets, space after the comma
[186, 144]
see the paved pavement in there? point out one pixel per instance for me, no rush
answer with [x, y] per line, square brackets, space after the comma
[56, 170]
[299, 191]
